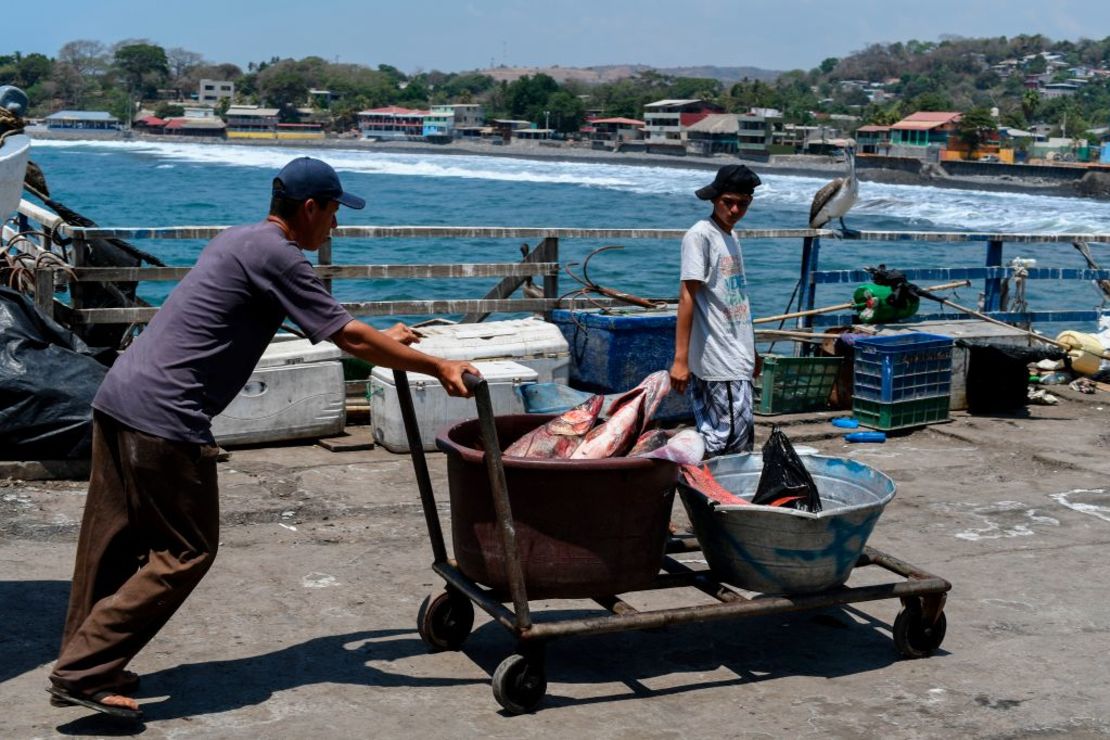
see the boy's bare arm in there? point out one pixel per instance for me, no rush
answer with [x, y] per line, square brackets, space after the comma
[680, 370]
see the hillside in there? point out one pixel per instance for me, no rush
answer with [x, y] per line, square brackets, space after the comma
[616, 72]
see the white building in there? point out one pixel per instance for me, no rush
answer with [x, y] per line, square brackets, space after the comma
[210, 92]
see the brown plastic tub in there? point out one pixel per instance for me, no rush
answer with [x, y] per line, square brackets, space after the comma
[584, 528]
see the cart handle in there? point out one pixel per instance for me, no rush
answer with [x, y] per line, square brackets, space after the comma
[472, 382]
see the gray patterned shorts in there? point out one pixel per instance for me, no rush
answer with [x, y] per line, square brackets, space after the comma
[723, 412]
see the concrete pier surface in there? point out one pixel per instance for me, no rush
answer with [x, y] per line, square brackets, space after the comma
[306, 624]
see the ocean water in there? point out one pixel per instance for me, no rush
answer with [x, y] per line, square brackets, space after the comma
[164, 184]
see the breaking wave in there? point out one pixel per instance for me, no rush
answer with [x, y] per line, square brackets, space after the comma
[909, 206]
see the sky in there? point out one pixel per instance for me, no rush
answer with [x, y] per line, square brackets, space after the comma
[459, 35]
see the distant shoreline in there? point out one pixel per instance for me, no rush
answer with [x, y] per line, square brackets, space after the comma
[790, 165]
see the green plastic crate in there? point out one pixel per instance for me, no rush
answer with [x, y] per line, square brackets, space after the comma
[790, 385]
[900, 414]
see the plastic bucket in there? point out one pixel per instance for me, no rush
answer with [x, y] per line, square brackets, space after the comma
[584, 528]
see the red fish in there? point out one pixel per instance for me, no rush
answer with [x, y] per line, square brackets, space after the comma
[628, 416]
[559, 437]
[700, 479]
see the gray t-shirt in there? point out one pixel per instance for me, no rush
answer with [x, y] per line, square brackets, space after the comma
[202, 345]
[722, 341]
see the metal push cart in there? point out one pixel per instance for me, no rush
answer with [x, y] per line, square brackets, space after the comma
[519, 682]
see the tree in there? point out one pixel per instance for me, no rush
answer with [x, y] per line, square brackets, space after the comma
[85, 57]
[32, 69]
[565, 111]
[1030, 104]
[181, 61]
[143, 65]
[974, 126]
[166, 109]
[283, 85]
[828, 65]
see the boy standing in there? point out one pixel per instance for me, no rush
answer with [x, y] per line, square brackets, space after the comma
[714, 340]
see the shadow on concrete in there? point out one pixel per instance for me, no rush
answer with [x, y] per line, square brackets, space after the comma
[32, 614]
[222, 685]
[824, 643]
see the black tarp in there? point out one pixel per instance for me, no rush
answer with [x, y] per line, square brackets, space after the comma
[998, 375]
[48, 378]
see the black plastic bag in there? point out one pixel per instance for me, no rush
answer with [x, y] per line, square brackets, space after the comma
[48, 378]
[785, 481]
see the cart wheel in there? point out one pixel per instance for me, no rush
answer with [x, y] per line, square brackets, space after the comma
[444, 620]
[519, 684]
[911, 635]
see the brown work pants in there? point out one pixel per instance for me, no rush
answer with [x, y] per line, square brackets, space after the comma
[148, 535]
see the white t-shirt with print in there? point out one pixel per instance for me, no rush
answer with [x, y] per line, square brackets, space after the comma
[722, 340]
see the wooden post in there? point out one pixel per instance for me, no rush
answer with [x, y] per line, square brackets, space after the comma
[323, 257]
[992, 287]
[507, 286]
[550, 246]
[44, 291]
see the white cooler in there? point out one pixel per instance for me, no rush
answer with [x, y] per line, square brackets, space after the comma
[531, 342]
[434, 408]
[296, 391]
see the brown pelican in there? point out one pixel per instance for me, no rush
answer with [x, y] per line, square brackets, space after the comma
[837, 198]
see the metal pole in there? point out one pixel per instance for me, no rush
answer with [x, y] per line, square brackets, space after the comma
[420, 466]
[992, 287]
[500, 490]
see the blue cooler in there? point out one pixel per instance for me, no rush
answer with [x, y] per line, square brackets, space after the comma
[613, 352]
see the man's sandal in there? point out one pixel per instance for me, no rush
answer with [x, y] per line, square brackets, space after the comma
[95, 701]
[127, 686]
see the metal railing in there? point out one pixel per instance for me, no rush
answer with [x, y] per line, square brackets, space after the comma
[543, 260]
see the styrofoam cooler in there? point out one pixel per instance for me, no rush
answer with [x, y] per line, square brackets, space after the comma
[531, 342]
[296, 391]
[434, 408]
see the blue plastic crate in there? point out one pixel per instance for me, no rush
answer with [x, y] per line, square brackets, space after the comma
[903, 367]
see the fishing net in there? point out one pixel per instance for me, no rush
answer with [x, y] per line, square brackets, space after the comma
[785, 481]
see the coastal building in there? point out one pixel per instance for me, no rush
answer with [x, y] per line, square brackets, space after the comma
[923, 134]
[756, 130]
[1058, 89]
[666, 121]
[212, 128]
[85, 120]
[454, 120]
[392, 122]
[211, 92]
[148, 125]
[615, 129]
[532, 134]
[251, 122]
[299, 131]
[717, 133]
[872, 139]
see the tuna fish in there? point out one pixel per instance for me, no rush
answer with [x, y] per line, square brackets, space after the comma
[628, 416]
[685, 448]
[649, 441]
[559, 437]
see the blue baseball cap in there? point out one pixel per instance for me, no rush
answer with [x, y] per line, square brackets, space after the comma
[305, 178]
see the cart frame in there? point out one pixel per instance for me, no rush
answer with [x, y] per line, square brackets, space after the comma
[519, 683]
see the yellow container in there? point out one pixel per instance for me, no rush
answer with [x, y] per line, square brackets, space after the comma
[1084, 352]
